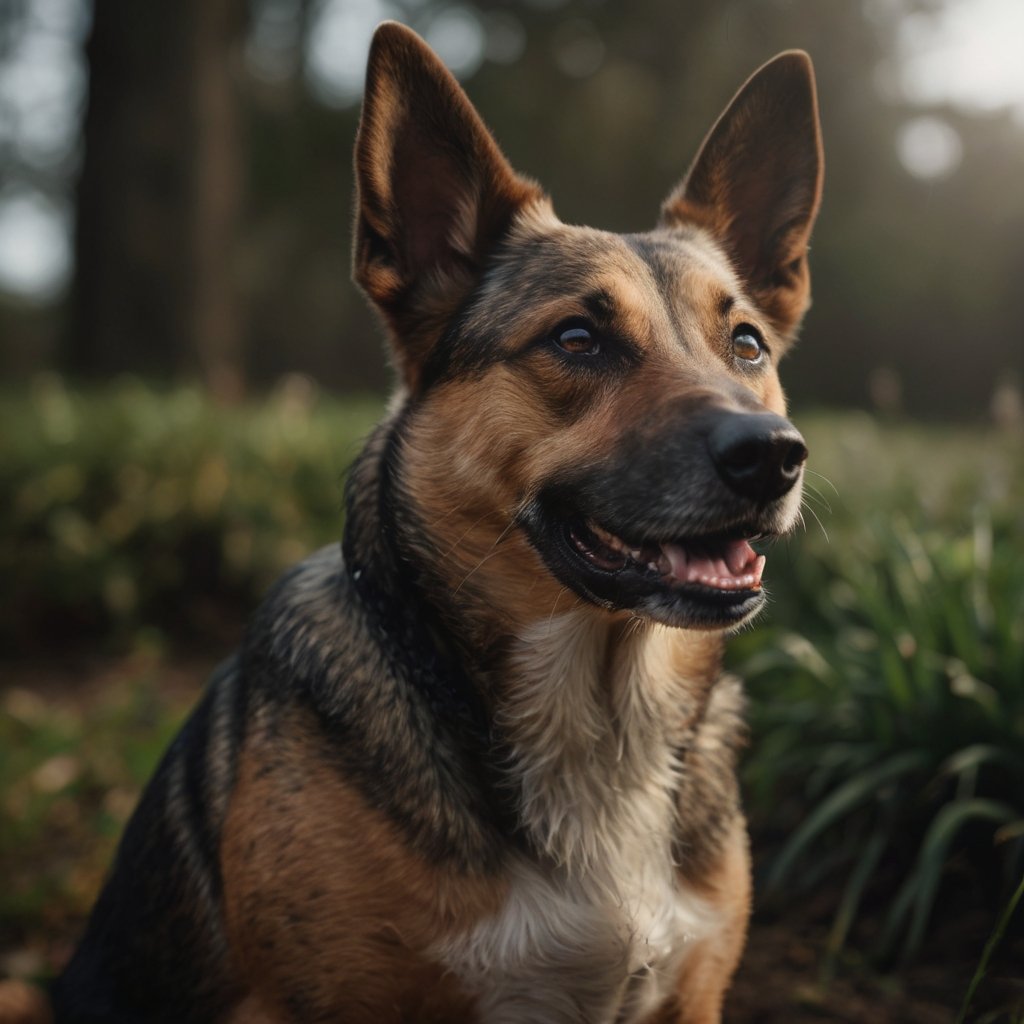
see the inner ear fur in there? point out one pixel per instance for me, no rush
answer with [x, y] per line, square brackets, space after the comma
[756, 185]
[434, 193]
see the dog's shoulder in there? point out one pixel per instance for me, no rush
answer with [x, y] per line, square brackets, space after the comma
[336, 682]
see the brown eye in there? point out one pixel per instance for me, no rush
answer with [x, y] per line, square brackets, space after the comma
[747, 344]
[578, 341]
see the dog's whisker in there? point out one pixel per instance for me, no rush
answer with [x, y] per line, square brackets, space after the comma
[491, 551]
[821, 501]
[458, 543]
[817, 519]
[821, 476]
[443, 518]
[811, 490]
[554, 607]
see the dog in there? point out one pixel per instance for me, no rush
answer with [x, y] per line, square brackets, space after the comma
[478, 763]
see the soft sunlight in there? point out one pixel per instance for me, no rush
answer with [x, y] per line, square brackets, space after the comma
[967, 54]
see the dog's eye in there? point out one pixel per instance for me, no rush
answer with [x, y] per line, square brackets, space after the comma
[577, 341]
[747, 344]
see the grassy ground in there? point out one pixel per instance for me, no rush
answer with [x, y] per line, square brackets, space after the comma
[885, 777]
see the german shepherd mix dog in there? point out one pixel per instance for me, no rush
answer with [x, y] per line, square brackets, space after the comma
[479, 763]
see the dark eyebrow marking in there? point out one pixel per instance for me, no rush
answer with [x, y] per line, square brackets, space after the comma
[600, 306]
[725, 304]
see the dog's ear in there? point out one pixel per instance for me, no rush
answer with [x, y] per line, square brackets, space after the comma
[434, 193]
[756, 185]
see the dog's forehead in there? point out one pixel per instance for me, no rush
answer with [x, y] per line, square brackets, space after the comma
[678, 257]
[673, 268]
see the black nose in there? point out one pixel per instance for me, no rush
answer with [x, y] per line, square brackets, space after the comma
[759, 455]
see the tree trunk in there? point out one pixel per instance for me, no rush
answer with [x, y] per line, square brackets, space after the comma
[158, 194]
[215, 327]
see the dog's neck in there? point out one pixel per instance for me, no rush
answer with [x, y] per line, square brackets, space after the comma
[389, 581]
[598, 717]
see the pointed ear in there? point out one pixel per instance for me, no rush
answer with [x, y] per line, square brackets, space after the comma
[756, 185]
[434, 193]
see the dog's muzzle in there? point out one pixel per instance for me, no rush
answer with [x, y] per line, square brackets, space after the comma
[665, 526]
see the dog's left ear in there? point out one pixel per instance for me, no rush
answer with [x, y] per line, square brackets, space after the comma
[756, 185]
[435, 195]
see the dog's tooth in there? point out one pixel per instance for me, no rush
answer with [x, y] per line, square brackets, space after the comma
[609, 539]
[677, 560]
[758, 568]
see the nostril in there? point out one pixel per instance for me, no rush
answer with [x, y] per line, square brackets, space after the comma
[744, 458]
[795, 457]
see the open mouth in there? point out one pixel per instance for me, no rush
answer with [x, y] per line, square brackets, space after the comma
[727, 564]
[707, 577]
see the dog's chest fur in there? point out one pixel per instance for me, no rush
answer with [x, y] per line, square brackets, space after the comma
[595, 927]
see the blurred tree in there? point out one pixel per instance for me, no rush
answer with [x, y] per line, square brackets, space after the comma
[157, 198]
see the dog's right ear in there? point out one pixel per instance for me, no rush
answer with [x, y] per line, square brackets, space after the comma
[434, 194]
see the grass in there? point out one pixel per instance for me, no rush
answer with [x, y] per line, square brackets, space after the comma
[986, 957]
[75, 752]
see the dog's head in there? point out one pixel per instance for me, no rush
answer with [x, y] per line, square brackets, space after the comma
[586, 410]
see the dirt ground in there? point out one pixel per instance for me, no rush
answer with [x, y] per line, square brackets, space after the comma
[778, 981]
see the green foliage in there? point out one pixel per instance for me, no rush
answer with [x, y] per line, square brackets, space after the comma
[128, 506]
[892, 723]
[990, 946]
[70, 774]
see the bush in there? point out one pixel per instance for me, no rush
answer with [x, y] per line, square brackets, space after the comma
[128, 506]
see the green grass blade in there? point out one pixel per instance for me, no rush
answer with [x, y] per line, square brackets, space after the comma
[931, 861]
[990, 947]
[978, 754]
[852, 895]
[840, 802]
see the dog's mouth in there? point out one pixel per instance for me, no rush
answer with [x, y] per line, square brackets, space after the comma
[704, 578]
[724, 563]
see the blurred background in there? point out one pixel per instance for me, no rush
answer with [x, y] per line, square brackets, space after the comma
[186, 372]
[175, 186]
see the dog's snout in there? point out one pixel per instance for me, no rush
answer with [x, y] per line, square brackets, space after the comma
[759, 455]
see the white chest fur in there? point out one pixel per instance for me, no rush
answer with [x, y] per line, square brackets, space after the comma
[595, 929]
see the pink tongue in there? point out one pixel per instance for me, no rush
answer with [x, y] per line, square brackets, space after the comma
[739, 567]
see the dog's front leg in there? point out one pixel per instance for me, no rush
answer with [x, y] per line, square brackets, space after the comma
[709, 966]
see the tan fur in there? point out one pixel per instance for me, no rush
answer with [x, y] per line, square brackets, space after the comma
[327, 910]
[709, 967]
